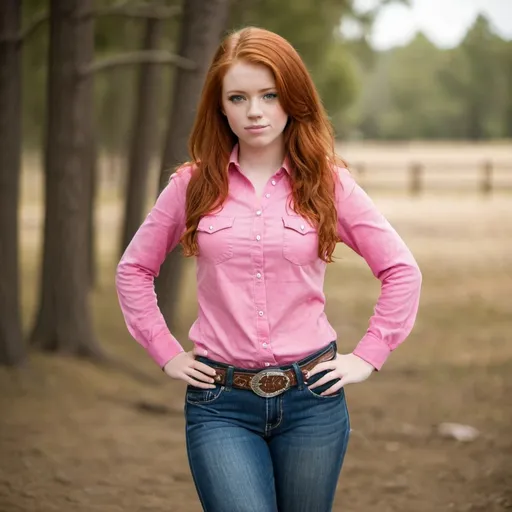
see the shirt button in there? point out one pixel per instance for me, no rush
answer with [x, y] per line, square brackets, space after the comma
[211, 227]
[273, 182]
[258, 212]
[302, 227]
[258, 275]
[258, 237]
[267, 364]
[206, 352]
[265, 345]
[260, 313]
[267, 195]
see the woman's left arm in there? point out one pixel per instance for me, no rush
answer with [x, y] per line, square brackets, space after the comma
[363, 228]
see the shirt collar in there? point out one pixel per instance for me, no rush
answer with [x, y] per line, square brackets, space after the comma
[233, 159]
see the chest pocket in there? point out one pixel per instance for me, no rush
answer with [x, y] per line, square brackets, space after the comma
[215, 238]
[300, 240]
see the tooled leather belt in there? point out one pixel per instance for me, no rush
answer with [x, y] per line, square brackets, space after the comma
[271, 382]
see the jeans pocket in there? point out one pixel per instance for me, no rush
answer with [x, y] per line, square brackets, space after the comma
[324, 387]
[203, 396]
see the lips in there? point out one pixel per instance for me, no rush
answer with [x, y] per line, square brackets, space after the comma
[256, 127]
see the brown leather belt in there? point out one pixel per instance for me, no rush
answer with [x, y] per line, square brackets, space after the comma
[271, 382]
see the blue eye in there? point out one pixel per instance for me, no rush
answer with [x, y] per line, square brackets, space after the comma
[237, 98]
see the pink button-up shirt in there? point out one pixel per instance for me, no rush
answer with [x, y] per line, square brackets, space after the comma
[259, 278]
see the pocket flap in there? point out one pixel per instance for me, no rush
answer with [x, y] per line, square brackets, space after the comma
[297, 224]
[214, 223]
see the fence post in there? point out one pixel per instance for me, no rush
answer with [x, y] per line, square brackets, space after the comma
[415, 178]
[486, 183]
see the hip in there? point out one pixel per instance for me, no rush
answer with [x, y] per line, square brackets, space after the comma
[269, 399]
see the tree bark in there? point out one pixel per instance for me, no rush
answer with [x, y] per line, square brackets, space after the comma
[144, 135]
[12, 350]
[202, 29]
[63, 322]
[92, 261]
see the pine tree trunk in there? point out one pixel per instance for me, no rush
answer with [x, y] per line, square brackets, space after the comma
[12, 350]
[144, 136]
[63, 322]
[92, 262]
[202, 29]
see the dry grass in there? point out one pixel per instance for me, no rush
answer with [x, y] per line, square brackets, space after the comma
[71, 437]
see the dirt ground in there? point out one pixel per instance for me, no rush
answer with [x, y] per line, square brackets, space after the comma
[79, 437]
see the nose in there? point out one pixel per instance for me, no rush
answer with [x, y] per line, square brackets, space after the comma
[254, 109]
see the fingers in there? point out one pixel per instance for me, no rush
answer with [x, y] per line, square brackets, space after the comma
[204, 368]
[197, 375]
[321, 367]
[336, 387]
[326, 378]
[198, 383]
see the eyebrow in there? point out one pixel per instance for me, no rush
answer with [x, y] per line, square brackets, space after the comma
[261, 90]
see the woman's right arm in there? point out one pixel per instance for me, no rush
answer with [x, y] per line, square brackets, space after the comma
[159, 234]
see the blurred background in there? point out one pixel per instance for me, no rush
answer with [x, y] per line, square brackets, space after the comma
[97, 99]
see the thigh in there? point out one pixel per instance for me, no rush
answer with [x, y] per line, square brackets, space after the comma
[230, 464]
[308, 452]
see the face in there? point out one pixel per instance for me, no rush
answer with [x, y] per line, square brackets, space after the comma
[251, 105]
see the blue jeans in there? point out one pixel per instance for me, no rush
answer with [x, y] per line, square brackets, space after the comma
[253, 454]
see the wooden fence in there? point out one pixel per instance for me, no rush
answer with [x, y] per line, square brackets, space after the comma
[416, 177]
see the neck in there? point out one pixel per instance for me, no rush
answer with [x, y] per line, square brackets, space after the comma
[265, 160]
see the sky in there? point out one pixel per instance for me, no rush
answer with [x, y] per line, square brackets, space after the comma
[444, 22]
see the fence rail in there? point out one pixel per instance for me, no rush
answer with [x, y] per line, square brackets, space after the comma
[417, 177]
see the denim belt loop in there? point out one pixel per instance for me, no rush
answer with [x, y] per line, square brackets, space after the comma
[298, 374]
[229, 378]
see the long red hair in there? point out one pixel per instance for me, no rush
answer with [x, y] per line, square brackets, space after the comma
[308, 137]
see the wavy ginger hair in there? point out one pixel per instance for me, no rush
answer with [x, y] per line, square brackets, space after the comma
[308, 138]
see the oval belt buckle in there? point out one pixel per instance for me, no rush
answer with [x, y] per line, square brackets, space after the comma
[255, 383]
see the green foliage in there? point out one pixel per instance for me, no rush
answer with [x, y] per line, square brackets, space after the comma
[338, 83]
[474, 75]
[414, 91]
[422, 92]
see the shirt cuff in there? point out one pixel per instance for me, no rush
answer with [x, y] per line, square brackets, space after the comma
[163, 348]
[372, 350]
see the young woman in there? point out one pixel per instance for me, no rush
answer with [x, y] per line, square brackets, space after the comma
[261, 205]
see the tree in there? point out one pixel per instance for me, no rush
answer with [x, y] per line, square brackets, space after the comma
[415, 103]
[63, 321]
[419, 91]
[202, 27]
[12, 350]
[474, 78]
[144, 135]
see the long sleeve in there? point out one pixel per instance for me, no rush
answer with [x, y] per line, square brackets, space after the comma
[140, 264]
[367, 232]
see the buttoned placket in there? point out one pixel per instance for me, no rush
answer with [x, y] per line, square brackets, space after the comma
[260, 294]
